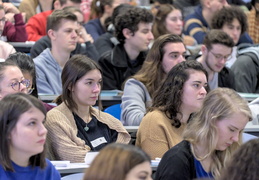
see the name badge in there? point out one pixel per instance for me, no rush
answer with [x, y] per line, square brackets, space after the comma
[98, 141]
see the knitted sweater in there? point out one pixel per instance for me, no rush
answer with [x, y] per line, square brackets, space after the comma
[156, 135]
[62, 140]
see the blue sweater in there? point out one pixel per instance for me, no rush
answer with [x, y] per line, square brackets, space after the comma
[27, 173]
[94, 27]
[48, 73]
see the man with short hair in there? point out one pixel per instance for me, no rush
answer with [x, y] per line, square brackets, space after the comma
[62, 30]
[36, 26]
[133, 31]
[216, 50]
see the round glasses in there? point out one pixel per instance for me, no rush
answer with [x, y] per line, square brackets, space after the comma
[16, 85]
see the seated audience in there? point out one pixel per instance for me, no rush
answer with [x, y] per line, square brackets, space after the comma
[84, 44]
[167, 51]
[157, 3]
[181, 94]
[104, 9]
[75, 127]
[186, 6]
[216, 50]
[32, 7]
[37, 24]
[22, 139]
[246, 69]
[244, 163]
[169, 19]
[9, 31]
[212, 135]
[253, 23]
[199, 23]
[125, 162]
[107, 41]
[233, 21]
[133, 31]
[62, 31]
[5, 50]
[12, 79]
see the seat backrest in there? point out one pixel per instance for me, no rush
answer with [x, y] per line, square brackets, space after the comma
[77, 176]
[114, 110]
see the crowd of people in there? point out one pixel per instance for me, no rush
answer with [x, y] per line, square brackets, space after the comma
[179, 64]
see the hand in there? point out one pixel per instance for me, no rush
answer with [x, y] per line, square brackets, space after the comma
[10, 8]
[189, 40]
[84, 36]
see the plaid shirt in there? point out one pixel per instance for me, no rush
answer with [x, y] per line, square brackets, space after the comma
[253, 26]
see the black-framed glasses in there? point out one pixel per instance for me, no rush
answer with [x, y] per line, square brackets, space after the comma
[220, 56]
[16, 85]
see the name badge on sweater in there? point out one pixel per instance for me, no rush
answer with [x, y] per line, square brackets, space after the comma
[98, 141]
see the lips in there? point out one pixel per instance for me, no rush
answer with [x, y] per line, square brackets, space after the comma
[42, 141]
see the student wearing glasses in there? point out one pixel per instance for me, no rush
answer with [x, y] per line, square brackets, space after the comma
[12, 79]
[216, 51]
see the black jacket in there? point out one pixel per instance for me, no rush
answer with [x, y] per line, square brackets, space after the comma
[117, 67]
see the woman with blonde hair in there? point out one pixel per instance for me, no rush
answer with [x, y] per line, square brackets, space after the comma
[120, 162]
[210, 138]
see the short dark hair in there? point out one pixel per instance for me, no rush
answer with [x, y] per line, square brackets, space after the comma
[98, 6]
[226, 16]
[130, 19]
[54, 20]
[254, 1]
[168, 97]
[215, 36]
[12, 107]
[75, 68]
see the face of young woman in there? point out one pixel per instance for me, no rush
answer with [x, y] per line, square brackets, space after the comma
[174, 22]
[194, 92]
[11, 74]
[29, 135]
[229, 129]
[140, 172]
[87, 88]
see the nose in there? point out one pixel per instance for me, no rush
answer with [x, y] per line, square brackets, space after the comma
[203, 91]
[181, 58]
[235, 137]
[74, 34]
[150, 36]
[23, 88]
[42, 130]
[97, 88]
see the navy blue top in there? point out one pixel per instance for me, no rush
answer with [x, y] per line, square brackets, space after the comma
[200, 172]
[96, 135]
[29, 173]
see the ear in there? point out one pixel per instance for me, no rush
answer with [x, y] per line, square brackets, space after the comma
[207, 3]
[51, 34]
[127, 33]
[57, 5]
[204, 49]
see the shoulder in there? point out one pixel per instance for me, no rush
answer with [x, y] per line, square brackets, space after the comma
[51, 171]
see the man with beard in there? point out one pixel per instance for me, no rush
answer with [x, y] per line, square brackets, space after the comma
[216, 50]
[253, 21]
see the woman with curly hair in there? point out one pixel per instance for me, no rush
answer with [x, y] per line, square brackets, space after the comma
[213, 134]
[175, 100]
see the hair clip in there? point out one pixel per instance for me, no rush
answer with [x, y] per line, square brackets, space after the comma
[97, 3]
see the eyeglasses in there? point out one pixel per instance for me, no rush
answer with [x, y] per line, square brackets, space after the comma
[16, 85]
[3, 20]
[220, 57]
